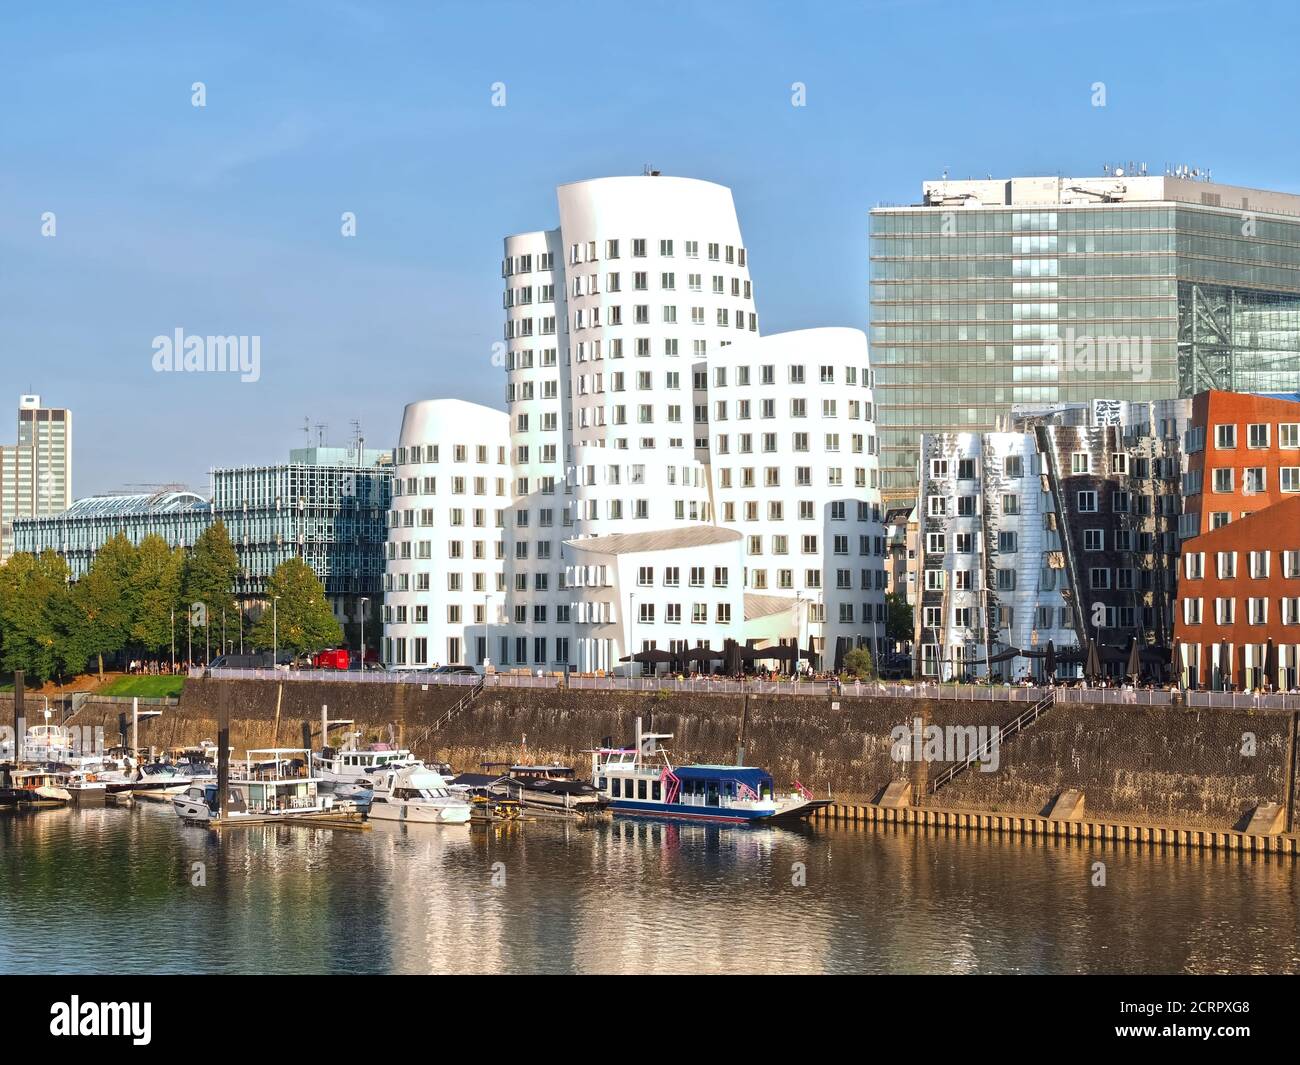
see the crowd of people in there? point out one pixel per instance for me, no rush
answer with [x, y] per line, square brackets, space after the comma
[157, 666]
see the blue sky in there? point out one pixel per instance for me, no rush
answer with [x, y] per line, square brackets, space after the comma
[225, 219]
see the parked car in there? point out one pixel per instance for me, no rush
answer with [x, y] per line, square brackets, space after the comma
[896, 665]
[468, 671]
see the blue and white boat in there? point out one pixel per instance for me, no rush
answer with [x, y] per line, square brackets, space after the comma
[641, 781]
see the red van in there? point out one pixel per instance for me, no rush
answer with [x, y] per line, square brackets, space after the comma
[336, 659]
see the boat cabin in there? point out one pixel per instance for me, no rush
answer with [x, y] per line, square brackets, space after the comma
[376, 756]
[277, 780]
[622, 776]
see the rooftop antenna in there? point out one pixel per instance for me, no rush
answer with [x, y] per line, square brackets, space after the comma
[320, 433]
[306, 429]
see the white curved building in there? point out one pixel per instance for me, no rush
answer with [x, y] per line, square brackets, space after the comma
[626, 328]
[444, 580]
[795, 470]
[609, 321]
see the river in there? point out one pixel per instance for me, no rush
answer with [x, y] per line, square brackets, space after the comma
[132, 890]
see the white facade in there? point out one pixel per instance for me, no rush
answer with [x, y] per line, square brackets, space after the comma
[444, 583]
[625, 328]
[609, 321]
[794, 469]
[668, 590]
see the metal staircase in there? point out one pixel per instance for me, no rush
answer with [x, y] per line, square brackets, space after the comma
[462, 704]
[1011, 728]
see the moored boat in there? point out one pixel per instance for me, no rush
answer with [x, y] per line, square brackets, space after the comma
[85, 787]
[355, 765]
[270, 785]
[551, 789]
[38, 786]
[641, 781]
[416, 793]
[160, 781]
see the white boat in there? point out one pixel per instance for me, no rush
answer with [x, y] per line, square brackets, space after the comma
[160, 781]
[40, 785]
[42, 743]
[414, 792]
[270, 785]
[354, 765]
[85, 786]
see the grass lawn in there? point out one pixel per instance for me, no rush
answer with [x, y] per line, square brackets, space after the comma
[145, 686]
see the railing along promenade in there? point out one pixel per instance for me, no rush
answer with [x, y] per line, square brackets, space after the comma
[786, 686]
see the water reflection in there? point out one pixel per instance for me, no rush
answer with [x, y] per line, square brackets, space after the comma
[118, 890]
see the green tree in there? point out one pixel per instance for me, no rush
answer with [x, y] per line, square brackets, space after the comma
[210, 573]
[157, 589]
[303, 618]
[858, 663]
[898, 626]
[105, 601]
[37, 619]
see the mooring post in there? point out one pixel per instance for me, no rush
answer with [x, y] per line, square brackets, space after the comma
[223, 752]
[19, 724]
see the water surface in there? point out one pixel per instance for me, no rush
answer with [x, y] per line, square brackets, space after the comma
[111, 890]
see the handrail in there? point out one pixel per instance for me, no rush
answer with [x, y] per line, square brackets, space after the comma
[923, 689]
[462, 703]
[1012, 727]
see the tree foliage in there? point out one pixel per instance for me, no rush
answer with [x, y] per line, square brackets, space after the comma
[858, 663]
[302, 619]
[211, 570]
[898, 626]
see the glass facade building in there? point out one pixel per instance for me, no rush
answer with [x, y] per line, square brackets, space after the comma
[321, 506]
[1060, 290]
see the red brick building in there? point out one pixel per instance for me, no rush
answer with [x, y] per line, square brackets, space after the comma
[1237, 619]
[1243, 454]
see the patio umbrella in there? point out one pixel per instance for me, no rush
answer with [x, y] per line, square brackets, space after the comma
[702, 654]
[841, 649]
[1049, 661]
[1092, 670]
[656, 655]
[731, 658]
[1225, 669]
[1270, 664]
[810, 654]
[1134, 660]
[1175, 663]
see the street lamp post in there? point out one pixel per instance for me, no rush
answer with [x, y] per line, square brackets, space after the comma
[173, 639]
[361, 609]
[631, 621]
[275, 632]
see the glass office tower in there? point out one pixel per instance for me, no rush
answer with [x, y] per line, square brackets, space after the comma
[1046, 290]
